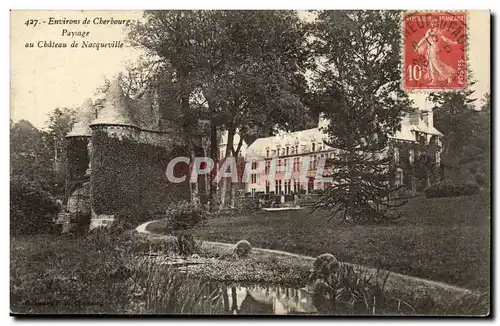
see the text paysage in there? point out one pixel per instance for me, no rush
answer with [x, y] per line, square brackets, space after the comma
[74, 34]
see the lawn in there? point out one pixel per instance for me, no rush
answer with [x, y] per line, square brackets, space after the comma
[444, 239]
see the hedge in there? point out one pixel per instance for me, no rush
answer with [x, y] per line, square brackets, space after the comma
[449, 189]
[31, 208]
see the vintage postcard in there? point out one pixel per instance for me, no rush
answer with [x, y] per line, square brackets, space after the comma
[256, 162]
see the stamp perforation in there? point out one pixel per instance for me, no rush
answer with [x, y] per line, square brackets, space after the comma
[426, 90]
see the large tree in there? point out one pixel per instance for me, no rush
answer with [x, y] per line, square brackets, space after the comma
[59, 124]
[239, 70]
[357, 86]
[466, 146]
[31, 154]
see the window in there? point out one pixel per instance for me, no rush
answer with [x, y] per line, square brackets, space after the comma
[296, 149]
[310, 185]
[267, 153]
[283, 151]
[296, 164]
[267, 186]
[276, 188]
[254, 178]
[268, 166]
[396, 156]
[399, 177]
[313, 147]
[287, 150]
[414, 118]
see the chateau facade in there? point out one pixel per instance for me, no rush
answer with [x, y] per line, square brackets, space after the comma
[417, 138]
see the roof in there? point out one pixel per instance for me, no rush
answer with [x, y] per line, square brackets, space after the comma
[302, 137]
[305, 137]
[116, 110]
[85, 116]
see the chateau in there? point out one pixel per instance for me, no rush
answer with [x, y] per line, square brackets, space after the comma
[118, 150]
[417, 138]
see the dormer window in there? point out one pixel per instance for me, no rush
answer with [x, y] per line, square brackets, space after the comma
[414, 118]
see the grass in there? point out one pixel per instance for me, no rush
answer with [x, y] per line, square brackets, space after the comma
[95, 274]
[443, 239]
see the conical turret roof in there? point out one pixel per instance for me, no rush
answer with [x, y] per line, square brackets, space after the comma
[85, 116]
[116, 108]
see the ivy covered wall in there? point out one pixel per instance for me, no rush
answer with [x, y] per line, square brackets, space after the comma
[420, 162]
[129, 178]
[77, 163]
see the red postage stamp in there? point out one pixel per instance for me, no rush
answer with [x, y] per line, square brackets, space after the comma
[434, 51]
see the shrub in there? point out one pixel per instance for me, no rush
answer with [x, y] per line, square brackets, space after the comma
[243, 248]
[185, 216]
[32, 209]
[248, 205]
[449, 189]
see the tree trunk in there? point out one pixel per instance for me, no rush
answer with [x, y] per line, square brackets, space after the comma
[213, 155]
[226, 181]
[206, 176]
[233, 195]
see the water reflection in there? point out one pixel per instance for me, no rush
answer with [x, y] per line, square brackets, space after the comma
[259, 299]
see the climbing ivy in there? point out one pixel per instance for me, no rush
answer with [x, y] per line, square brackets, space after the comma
[129, 178]
[77, 163]
[424, 167]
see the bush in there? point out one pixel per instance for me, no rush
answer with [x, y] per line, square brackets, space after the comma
[32, 209]
[449, 189]
[184, 216]
[243, 248]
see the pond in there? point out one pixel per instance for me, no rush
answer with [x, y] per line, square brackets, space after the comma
[261, 299]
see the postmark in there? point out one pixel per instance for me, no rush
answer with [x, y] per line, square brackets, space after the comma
[434, 51]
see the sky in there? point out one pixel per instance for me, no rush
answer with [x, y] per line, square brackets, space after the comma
[45, 78]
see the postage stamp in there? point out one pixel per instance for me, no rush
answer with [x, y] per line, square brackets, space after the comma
[434, 51]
